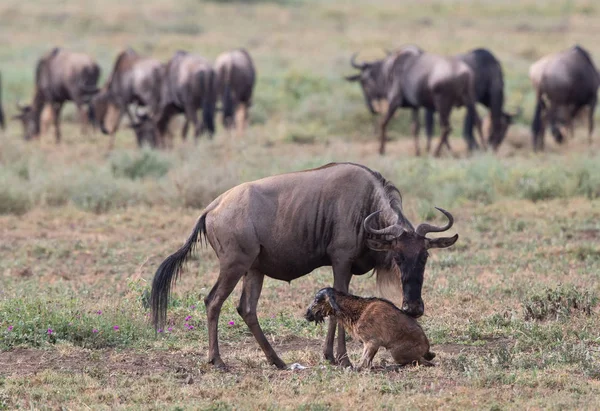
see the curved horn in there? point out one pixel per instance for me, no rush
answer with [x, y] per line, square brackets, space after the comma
[355, 64]
[425, 228]
[391, 230]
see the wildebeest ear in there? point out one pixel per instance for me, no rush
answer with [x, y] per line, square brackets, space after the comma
[442, 242]
[379, 245]
[355, 77]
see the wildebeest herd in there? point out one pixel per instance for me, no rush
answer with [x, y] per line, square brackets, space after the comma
[185, 84]
[409, 77]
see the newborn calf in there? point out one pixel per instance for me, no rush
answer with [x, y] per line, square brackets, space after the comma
[376, 323]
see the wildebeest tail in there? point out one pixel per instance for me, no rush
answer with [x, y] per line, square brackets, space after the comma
[209, 98]
[2, 123]
[536, 125]
[169, 271]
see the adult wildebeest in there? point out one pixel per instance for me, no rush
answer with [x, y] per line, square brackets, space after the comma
[489, 91]
[566, 80]
[421, 79]
[235, 82]
[189, 84]
[60, 76]
[285, 226]
[488, 81]
[134, 80]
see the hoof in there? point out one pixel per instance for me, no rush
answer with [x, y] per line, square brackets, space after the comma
[344, 362]
[279, 364]
[218, 363]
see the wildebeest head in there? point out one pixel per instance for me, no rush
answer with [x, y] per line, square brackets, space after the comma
[322, 306]
[408, 249]
[145, 129]
[372, 81]
[28, 118]
[498, 132]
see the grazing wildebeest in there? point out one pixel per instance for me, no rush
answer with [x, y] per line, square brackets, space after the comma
[376, 323]
[285, 226]
[489, 90]
[189, 84]
[134, 80]
[566, 80]
[60, 76]
[235, 82]
[433, 82]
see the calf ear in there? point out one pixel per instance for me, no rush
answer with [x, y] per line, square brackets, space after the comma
[379, 245]
[355, 77]
[442, 242]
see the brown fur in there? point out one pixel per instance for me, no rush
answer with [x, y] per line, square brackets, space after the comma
[376, 323]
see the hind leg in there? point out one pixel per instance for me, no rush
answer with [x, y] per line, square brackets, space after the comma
[416, 126]
[370, 348]
[443, 108]
[229, 275]
[253, 282]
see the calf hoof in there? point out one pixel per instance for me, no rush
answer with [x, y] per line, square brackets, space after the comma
[329, 357]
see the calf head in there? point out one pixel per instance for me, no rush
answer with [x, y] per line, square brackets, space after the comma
[408, 250]
[323, 306]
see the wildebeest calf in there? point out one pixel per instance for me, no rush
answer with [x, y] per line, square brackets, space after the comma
[376, 323]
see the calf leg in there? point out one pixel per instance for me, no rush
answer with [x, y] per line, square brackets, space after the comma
[383, 126]
[370, 348]
[253, 282]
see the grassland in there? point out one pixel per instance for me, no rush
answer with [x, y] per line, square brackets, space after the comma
[511, 310]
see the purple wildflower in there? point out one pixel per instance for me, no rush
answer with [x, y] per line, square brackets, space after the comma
[170, 329]
[116, 328]
[192, 307]
[94, 331]
[189, 317]
[231, 322]
[50, 331]
[99, 312]
[10, 328]
[160, 330]
[191, 327]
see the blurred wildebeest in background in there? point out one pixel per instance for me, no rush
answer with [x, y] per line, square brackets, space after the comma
[134, 80]
[489, 90]
[60, 76]
[565, 81]
[373, 78]
[235, 82]
[2, 121]
[189, 84]
[287, 225]
[437, 83]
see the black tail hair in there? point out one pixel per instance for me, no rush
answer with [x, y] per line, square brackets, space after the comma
[536, 125]
[2, 123]
[169, 271]
[207, 90]
[227, 106]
